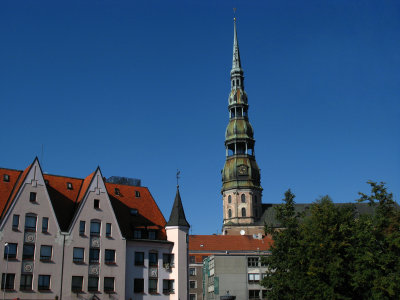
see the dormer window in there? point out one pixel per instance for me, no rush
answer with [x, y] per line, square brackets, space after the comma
[69, 185]
[137, 194]
[117, 192]
[134, 212]
[6, 178]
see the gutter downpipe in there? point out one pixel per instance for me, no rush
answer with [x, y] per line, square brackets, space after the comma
[62, 266]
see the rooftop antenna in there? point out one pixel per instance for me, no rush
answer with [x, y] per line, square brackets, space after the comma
[177, 177]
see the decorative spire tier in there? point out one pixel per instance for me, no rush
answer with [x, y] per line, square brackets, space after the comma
[241, 188]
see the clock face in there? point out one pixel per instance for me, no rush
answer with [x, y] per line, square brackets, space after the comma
[242, 170]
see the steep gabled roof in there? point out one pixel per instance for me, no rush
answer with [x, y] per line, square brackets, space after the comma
[211, 243]
[177, 217]
[148, 213]
[66, 201]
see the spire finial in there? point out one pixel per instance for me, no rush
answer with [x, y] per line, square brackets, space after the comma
[177, 178]
[234, 14]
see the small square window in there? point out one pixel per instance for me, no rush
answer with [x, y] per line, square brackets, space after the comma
[138, 285]
[78, 255]
[45, 253]
[96, 203]
[168, 286]
[15, 222]
[109, 256]
[137, 194]
[108, 229]
[192, 271]
[117, 192]
[6, 178]
[133, 211]
[10, 251]
[45, 225]
[44, 282]
[76, 284]
[32, 197]
[28, 252]
[192, 284]
[93, 284]
[152, 235]
[109, 284]
[139, 258]
[7, 281]
[69, 186]
[94, 255]
[82, 225]
[137, 234]
[168, 260]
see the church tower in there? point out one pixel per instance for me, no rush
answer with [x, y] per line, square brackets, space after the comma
[241, 188]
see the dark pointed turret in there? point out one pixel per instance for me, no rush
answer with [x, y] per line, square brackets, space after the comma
[177, 217]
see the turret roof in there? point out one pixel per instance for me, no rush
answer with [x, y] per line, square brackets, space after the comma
[177, 217]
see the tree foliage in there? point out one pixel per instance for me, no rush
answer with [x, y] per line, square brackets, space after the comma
[332, 252]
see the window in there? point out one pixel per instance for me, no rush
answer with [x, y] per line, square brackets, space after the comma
[254, 277]
[96, 204]
[229, 199]
[32, 197]
[69, 185]
[6, 178]
[15, 222]
[153, 259]
[94, 255]
[45, 224]
[25, 283]
[108, 230]
[95, 228]
[192, 271]
[109, 256]
[108, 284]
[93, 284]
[138, 285]
[192, 284]
[243, 198]
[229, 213]
[44, 282]
[152, 235]
[152, 286]
[168, 260]
[28, 252]
[134, 212]
[76, 284]
[254, 294]
[10, 251]
[117, 192]
[82, 225]
[192, 296]
[137, 194]
[30, 223]
[139, 258]
[252, 261]
[78, 255]
[192, 259]
[137, 234]
[243, 212]
[168, 286]
[7, 281]
[45, 253]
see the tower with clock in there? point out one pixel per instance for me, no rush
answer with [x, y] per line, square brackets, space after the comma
[241, 188]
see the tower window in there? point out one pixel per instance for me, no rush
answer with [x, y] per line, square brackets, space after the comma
[229, 213]
[229, 199]
[243, 198]
[243, 212]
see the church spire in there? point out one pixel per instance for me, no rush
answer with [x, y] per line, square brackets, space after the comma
[236, 65]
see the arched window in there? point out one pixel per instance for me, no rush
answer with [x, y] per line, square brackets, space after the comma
[229, 199]
[243, 212]
[243, 197]
[229, 213]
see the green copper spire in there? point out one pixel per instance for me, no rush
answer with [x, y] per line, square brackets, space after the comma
[241, 186]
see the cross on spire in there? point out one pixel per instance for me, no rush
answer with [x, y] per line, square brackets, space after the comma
[177, 177]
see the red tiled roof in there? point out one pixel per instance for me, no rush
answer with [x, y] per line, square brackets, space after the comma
[228, 243]
[66, 201]
[6, 188]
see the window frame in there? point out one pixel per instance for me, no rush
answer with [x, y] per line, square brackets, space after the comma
[15, 222]
[107, 260]
[195, 284]
[96, 203]
[42, 280]
[82, 224]
[46, 258]
[153, 263]
[6, 279]
[93, 288]
[108, 230]
[153, 290]
[138, 285]
[45, 221]
[23, 286]
[30, 217]
[75, 288]
[94, 255]
[10, 255]
[168, 286]
[109, 289]
[75, 258]
[168, 259]
[92, 224]
[139, 262]
[29, 256]
[33, 197]
[192, 271]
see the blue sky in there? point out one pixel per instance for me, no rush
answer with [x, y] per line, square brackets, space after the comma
[141, 89]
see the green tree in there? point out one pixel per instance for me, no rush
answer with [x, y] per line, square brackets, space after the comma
[331, 252]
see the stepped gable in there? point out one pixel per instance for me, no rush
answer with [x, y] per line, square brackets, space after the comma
[148, 215]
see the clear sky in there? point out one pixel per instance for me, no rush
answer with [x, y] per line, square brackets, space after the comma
[141, 89]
